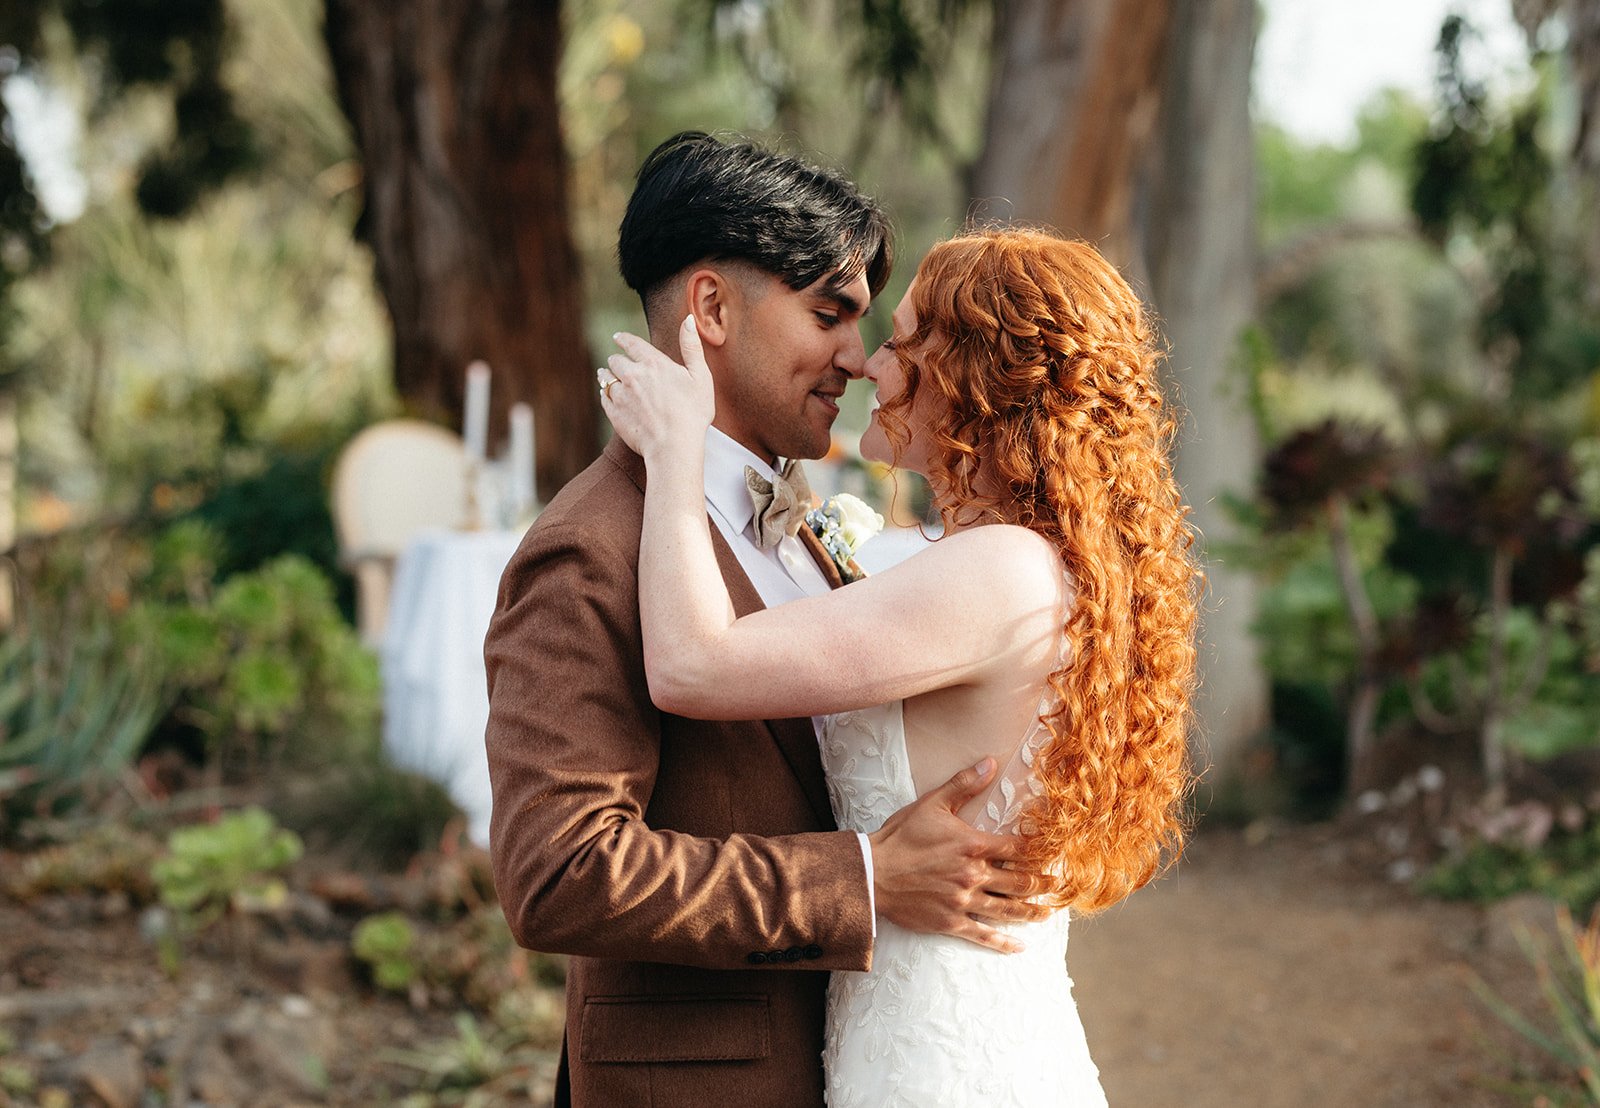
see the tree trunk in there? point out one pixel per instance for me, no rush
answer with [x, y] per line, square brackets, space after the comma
[1072, 110]
[1127, 122]
[1201, 250]
[455, 112]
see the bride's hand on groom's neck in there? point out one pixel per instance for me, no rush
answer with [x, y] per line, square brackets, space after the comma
[661, 408]
[934, 873]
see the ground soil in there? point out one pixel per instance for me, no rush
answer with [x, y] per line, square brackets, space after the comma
[1281, 969]
[1271, 968]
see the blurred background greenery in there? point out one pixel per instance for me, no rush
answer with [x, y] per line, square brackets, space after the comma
[290, 220]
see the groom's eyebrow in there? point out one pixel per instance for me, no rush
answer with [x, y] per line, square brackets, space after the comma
[845, 302]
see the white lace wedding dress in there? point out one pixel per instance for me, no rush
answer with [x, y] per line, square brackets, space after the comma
[940, 1022]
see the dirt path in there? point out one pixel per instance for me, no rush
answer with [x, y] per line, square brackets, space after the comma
[1279, 974]
[1271, 974]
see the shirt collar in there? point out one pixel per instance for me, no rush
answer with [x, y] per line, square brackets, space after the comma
[725, 487]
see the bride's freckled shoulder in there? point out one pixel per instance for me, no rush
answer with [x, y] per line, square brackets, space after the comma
[1004, 550]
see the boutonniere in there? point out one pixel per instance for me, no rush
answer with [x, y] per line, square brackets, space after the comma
[844, 523]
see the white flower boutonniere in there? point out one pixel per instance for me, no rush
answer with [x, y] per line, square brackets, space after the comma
[844, 523]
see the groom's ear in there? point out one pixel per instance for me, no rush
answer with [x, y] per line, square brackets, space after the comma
[712, 298]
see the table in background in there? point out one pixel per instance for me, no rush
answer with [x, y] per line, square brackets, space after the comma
[435, 695]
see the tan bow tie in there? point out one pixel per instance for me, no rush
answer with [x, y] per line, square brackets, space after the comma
[781, 504]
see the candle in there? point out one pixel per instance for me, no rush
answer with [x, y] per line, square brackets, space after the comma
[523, 474]
[476, 432]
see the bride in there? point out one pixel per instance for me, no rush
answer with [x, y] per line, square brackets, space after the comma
[1051, 628]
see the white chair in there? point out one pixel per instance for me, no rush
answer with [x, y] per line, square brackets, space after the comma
[393, 480]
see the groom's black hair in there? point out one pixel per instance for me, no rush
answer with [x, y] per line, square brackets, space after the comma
[699, 198]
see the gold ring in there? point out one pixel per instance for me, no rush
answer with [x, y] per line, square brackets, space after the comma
[605, 389]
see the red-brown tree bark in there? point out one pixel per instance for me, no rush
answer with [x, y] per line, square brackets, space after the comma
[1072, 113]
[457, 118]
[1126, 122]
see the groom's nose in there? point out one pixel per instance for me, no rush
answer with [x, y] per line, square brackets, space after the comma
[852, 357]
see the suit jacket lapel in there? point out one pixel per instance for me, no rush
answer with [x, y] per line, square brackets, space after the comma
[796, 738]
[819, 554]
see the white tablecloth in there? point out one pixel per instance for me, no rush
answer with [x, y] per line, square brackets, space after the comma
[435, 696]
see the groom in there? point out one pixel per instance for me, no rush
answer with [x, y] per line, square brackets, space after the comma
[693, 869]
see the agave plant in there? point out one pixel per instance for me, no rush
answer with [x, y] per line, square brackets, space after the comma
[1569, 982]
[73, 716]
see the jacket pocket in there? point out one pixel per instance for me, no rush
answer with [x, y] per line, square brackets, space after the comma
[709, 1028]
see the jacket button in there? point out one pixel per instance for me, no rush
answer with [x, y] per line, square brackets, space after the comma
[774, 957]
[813, 952]
[793, 954]
[756, 958]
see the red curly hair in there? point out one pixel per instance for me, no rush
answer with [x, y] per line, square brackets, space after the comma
[1051, 417]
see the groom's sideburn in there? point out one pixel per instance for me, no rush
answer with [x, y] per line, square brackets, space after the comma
[691, 869]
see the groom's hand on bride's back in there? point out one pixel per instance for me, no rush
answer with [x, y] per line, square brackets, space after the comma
[935, 873]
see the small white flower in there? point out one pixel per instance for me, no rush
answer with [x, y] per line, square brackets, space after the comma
[843, 523]
[857, 520]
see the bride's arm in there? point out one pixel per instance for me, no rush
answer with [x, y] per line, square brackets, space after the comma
[938, 619]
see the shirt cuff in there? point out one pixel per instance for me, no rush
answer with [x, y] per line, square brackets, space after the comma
[872, 896]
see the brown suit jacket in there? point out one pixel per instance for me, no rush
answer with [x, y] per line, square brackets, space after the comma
[689, 867]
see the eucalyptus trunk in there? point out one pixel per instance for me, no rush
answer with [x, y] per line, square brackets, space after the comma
[1072, 115]
[1201, 251]
[455, 112]
[1127, 122]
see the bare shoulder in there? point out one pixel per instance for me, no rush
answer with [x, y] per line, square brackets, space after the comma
[1000, 549]
[998, 563]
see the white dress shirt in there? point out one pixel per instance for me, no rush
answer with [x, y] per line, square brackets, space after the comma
[781, 573]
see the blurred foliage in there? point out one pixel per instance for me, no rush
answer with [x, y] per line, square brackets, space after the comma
[1332, 459]
[1305, 629]
[365, 810]
[129, 640]
[263, 666]
[177, 46]
[485, 1069]
[280, 509]
[1565, 867]
[231, 865]
[469, 960]
[176, 50]
[386, 943]
[1301, 186]
[225, 356]
[1487, 176]
[109, 858]
[1559, 717]
[1420, 392]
